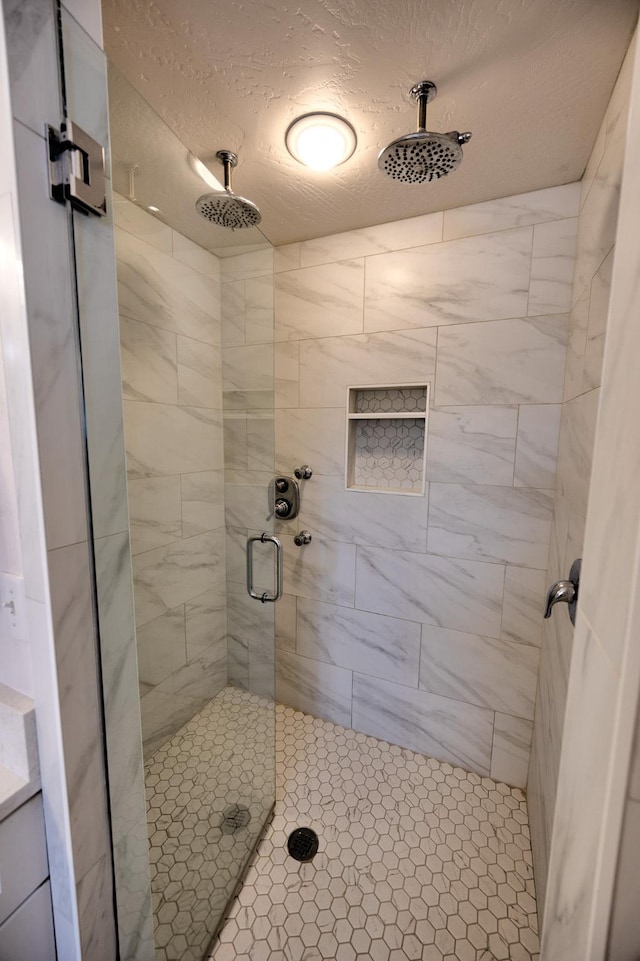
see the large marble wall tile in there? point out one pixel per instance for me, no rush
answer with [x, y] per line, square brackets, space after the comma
[537, 449]
[206, 621]
[597, 323]
[163, 439]
[286, 622]
[260, 440]
[168, 576]
[397, 235]
[235, 439]
[511, 746]
[462, 281]
[247, 368]
[472, 445]
[232, 312]
[321, 571]
[237, 663]
[202, 502]
[520, 210]
[437, 726]
[185, 251]
[576, 347]
[490, 523]
[199, 374]
[155, 512]
[329, 365]
[202, 677]
[462, 595]
[235, 552]
[586, 749]
[143, 225]
[286, 257]
[316, 688]
[315, 437]
[161, 646]
[162, 715]
[552, 265]
[287, 373]
[369, 643]
[149, 362]
[259, 313]
[255, 263]
[156, 289]
[506, 362]
[491, 673]
[575, 451]
[358, 517]
[523, 605]
[319, 301]
[251, 628]
[247, 500]
[624, 937]
[599, 217]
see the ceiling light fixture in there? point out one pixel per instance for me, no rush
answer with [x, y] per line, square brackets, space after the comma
[321, 140]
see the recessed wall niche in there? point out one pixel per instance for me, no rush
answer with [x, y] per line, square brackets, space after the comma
[386, 438]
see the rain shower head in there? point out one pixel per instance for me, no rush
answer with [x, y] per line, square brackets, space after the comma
[423, 156]
[228, 209]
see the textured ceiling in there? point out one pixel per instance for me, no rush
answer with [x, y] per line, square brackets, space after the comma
[530, 78]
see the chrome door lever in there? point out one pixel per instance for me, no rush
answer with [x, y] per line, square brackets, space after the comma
[565, 591]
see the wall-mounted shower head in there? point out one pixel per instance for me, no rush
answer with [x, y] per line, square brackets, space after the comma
[423, 156]
[228, 209]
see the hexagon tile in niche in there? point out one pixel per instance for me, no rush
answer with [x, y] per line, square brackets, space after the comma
[417, 859]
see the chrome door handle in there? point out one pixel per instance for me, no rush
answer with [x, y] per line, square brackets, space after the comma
[565, 591]
[265, 596]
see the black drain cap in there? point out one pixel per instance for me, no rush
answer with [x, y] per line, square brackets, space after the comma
[303, 844]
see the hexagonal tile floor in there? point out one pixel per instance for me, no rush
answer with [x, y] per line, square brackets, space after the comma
[210, 789]
[417, 859]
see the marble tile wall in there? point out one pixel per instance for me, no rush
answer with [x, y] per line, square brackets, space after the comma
[249, 441]
[418, 618]
[599, 201]
[592, 885]
[170, 337]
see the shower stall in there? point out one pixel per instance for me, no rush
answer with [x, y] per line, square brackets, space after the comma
[420, 369]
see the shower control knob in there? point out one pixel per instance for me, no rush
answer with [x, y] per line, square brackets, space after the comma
[304, 472]
[304, 537]
[282, 507]
[282, 485]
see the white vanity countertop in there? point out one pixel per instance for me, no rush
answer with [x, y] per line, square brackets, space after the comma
[19, 770]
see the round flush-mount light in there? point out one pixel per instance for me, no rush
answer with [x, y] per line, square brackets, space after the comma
[320, 140]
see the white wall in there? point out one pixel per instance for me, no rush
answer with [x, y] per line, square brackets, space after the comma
[418, 619]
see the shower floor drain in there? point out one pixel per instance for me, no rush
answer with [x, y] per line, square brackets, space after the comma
[234, 818]
[303, 844]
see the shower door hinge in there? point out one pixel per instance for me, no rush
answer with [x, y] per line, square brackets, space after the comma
[76, 169]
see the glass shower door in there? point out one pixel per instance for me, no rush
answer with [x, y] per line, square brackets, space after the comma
[177, 330]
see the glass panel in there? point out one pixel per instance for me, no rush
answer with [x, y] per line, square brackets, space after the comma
[178, 483]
